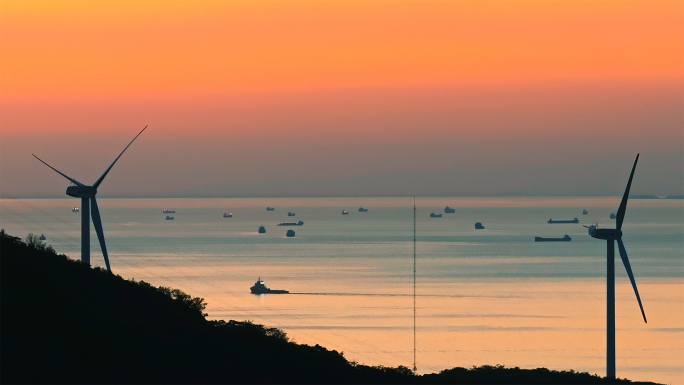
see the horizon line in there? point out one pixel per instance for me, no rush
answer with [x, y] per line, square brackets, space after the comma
[632, 196]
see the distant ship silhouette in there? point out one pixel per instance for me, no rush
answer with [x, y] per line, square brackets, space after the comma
[566, 238]
[563, 220]
[300, 223]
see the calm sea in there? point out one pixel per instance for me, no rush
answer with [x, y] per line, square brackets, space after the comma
[490, 296]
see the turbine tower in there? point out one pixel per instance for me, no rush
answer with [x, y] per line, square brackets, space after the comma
[88, 204]
[612, 235]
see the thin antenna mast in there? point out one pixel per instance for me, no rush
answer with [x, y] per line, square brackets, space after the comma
[414, 285]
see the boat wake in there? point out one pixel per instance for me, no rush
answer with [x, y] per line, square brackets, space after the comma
[400, 295]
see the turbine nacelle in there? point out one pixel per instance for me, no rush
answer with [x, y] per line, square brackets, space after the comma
[81, 191]
[607, 234]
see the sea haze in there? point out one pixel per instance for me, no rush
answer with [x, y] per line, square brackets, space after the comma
[490, 296]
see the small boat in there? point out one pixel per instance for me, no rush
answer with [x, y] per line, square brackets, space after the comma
[449, 210]
[169, 211]
[563, 220]
[363, 210]
[227, 215]
[345, 212]
[612, 215]
[290, 214]
[585, 212]
[260, 288]
[75, 209]
[300, 223]
[169, 218]
[262, 229]
[566, 238]
[433, 215]
[269, 208]
[478, 226]
[42, 237]
[290, 233]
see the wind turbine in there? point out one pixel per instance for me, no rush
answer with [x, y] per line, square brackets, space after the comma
[88, 201]
[612, 235]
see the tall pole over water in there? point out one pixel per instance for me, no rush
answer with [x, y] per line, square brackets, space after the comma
[414, 285]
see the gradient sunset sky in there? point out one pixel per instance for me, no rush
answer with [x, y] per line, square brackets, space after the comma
[328, 98]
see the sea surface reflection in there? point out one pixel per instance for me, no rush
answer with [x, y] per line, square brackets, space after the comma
[489, 296]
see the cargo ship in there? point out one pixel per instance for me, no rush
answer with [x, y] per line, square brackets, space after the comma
[566, 238]
[300, 223]
[260, 288]
[563, 220]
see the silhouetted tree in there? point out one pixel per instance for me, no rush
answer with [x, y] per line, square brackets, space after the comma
[33, 241]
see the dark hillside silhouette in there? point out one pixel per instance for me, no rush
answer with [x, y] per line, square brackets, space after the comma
[65, 322]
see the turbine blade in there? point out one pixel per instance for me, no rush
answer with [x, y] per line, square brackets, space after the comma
[623, 204]
[72, 180]
[625, 261]
[97, 183]
[97, 222]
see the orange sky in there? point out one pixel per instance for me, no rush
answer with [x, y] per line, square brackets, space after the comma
[351, 87]
[122, 48]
